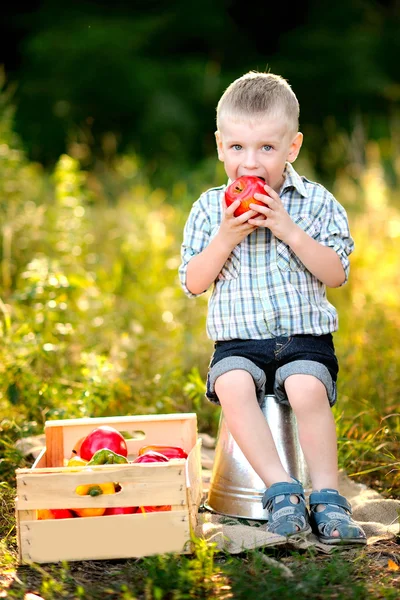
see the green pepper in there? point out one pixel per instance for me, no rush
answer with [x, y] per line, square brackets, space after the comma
[107, 457]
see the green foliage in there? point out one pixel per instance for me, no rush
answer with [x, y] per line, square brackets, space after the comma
[92, 319]
[206, 575]
[369, 380]
[147, 76]
[179, 577]
[265, 579]
[93, 323]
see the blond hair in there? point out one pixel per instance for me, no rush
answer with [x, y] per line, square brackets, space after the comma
[257, 94]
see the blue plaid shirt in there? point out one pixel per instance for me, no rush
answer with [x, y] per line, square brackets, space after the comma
[264, 290]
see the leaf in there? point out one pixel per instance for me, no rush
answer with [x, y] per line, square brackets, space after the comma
[392, 566]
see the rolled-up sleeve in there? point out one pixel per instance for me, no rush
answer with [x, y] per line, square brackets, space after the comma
[335, 233]
[196, 236]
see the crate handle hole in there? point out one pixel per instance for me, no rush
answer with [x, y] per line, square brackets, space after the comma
[137, 434]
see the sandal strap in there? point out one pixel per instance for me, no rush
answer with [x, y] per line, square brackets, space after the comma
[283, 488]
[329, 496]
[284, 516]
[324, 524]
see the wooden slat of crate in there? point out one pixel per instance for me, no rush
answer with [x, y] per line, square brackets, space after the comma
[142, 485]
[95, 538]
[194, 482]
[174, 430]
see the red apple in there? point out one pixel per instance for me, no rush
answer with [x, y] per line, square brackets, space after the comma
[243, 189]
[168, 451]
[54, 513]
[103, 437]
[150, 457]
[121, 510]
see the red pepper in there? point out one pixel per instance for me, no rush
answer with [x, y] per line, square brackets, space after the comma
[168, 451]
[151, 457]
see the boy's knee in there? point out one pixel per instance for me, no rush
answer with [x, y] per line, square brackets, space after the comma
[234, 373]
[305, 392]
[300, 383]
[231, 380]
[305, 382]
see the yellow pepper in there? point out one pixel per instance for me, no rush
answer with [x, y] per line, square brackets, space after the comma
[76, 461]
[93, 489]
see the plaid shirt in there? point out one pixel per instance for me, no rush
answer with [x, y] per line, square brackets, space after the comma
[264, 290]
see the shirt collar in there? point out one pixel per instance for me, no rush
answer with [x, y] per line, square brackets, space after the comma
[293, 180]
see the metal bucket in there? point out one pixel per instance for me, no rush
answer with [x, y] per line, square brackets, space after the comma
[235, 488]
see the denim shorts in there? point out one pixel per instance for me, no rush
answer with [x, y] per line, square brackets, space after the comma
[271, 361]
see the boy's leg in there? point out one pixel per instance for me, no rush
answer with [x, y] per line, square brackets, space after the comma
[237, 382]
[236, 392]
[317, 431]
[284, 498]
[330, 512]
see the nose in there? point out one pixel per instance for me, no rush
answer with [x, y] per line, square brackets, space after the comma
[250, 160]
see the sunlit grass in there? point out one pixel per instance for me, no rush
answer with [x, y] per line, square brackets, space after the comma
[93, 312]
[93, 323]
[368, 415]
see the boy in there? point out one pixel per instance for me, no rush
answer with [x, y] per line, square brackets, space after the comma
[268, 312]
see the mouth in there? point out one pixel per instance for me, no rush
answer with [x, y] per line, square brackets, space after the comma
[259, 176]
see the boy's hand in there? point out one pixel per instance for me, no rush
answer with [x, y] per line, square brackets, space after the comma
[234, 229]
[273, 216]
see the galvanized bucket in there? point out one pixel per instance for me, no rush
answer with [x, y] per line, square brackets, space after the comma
[235, 488]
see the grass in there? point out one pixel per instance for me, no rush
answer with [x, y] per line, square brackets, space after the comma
[353, 574]
[93, 323]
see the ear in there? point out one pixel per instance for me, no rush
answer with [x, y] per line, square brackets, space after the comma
[295, 147]
[220, 150]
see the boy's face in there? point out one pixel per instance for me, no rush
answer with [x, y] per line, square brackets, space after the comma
[258, 147]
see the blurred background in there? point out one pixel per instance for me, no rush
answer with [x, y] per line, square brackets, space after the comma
[97, 77]
[107, 119]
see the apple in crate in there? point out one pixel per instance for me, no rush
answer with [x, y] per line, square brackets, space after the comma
[243, 189]
[103, 437]
[54, 513]
[150, 456]
[168, 451]
[121, 510]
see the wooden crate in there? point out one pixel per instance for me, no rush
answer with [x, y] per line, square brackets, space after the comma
[49, 484]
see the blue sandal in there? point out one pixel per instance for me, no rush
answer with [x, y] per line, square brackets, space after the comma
[336, 516]
[285, 517]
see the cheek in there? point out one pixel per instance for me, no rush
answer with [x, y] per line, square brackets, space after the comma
[231, 157]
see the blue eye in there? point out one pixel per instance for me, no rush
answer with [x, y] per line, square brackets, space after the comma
[267, 147]
[237, 147]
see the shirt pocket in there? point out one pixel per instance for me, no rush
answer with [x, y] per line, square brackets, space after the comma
[231, 268]
[286, 259]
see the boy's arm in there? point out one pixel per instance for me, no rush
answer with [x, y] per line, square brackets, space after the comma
[322, 261]
[320, 258]
[205, 266]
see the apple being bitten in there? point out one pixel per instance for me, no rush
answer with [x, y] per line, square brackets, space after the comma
[243, 189]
